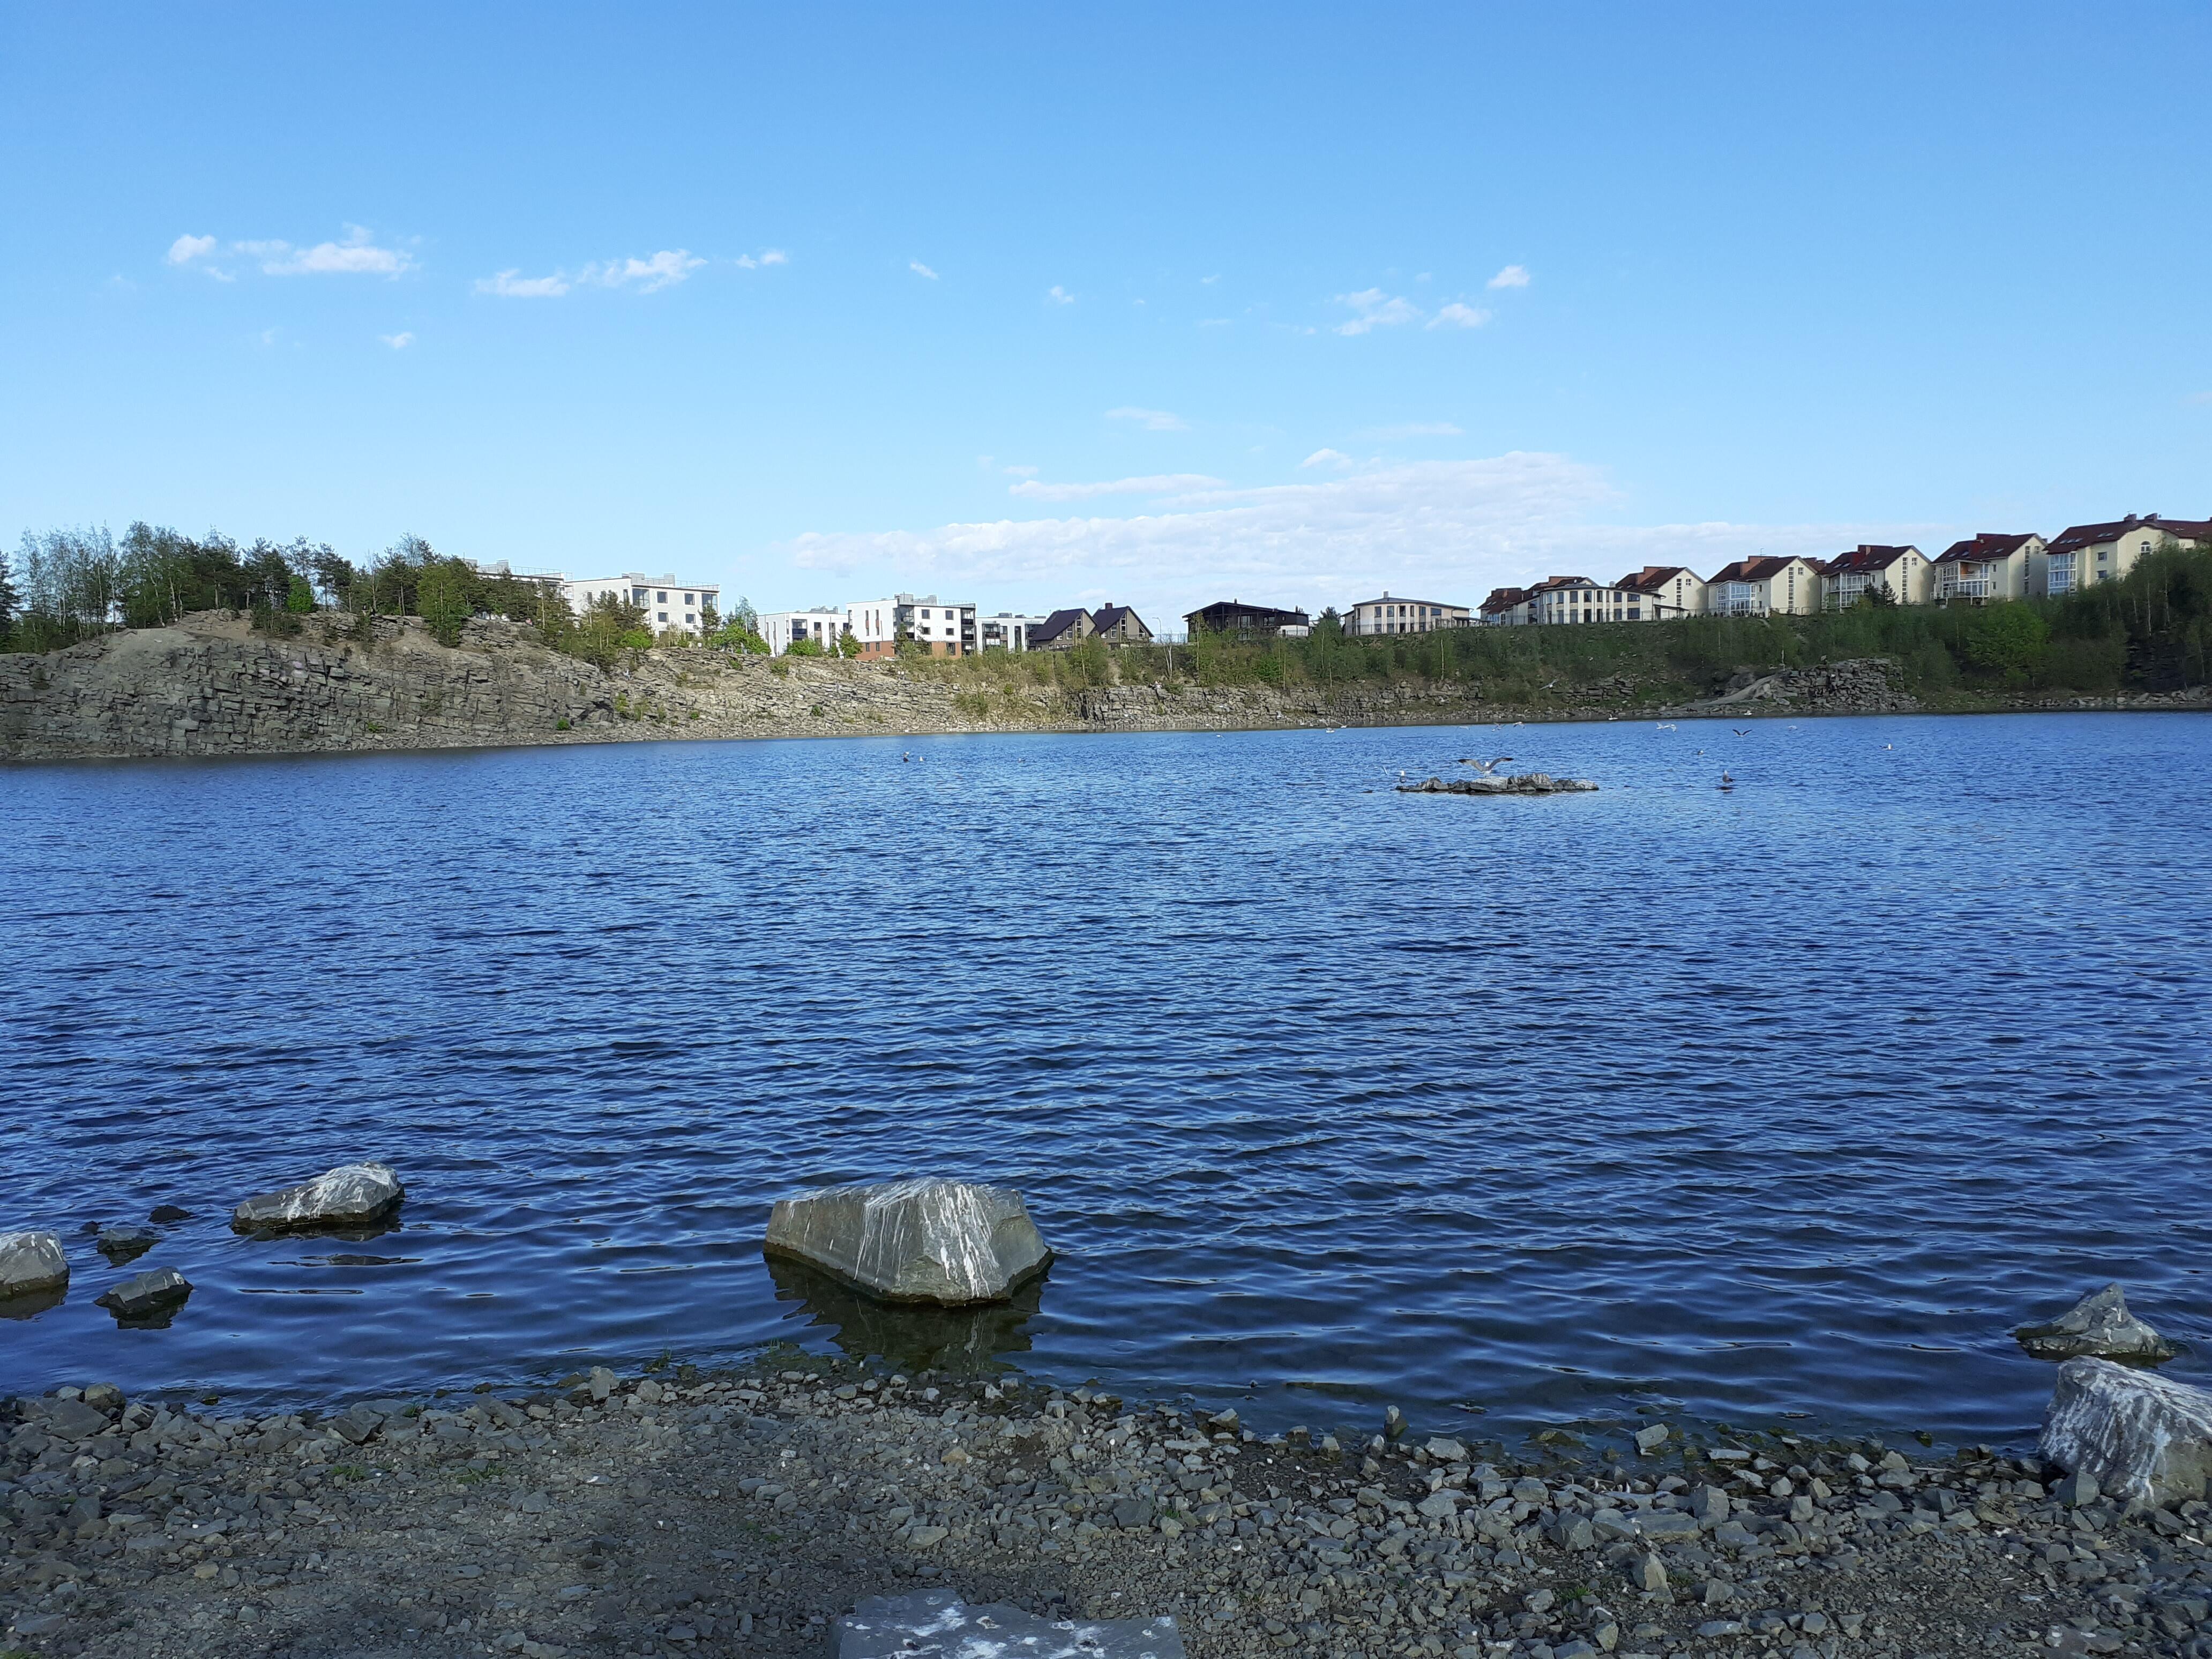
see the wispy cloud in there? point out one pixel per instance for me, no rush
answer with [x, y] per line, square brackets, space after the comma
[649, 275]
[398, 342]
[1151, 420]
[514, 285]
[1020, 471]
[1159, 484]
[359, 255]
[1327, 458]
[775, 256]
[921, 270]
[1060, 296]
[1375, 309]
[1412, 429]
[1456, 315]
[1511, 277]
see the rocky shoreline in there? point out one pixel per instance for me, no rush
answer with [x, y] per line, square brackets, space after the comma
[742, 1513]
[209, 686]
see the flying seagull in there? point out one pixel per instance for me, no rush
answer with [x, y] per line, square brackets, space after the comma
[1741, 731]
[1488, 767]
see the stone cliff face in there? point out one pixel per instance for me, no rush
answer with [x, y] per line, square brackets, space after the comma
[210, 686]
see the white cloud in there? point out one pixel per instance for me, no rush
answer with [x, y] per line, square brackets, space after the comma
[1327, 458]
[186, 249]
[1375, 310]
[1159, 484]
[664, 269]
[921, 270]
[1020, 471]
[1208, 281]
[1511, 277]
[1060, 296]
[775, 256]
[357, 256]
[1454, 528]
[398, 342]
[1152, 420]
[1456, 315]
[1414, 429]
[514, 285]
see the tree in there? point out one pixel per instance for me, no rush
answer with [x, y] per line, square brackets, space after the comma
[8, 600]
[610, 626]
[2007, 638]
[301, 601]
[442, 596]
[849, 644]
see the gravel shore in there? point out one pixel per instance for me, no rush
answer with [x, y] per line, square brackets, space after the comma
[682, 1513]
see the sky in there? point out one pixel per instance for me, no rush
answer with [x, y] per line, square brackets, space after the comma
[1032, 306]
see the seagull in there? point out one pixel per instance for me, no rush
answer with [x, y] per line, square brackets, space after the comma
[1489, 768]
[1665, 725]
[1727, 782]
[1741, 731]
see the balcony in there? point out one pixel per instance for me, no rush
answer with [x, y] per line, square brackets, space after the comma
[1968, 587]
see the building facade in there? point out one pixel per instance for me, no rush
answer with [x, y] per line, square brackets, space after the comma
[1759, 588]
[1006, 631]
[1061, 630]
[1579, 599]
[2083, 555]
[1245, 621]
[1392, 615]
[1902, 573]
[1990, 566]
[782, 630]
[667, 602]
[940, 629]
[1117, 624]
[1506, 607]
[1666, 591]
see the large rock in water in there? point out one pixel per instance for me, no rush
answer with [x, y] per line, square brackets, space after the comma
[351, 1195]
[32, 1262]
[953, 1242]
[147, 1292]
[2144, 1439]
[938, 1625]
[2098, 1326]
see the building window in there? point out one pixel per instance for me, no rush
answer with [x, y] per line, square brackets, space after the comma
[660, 599]
[688, 599]
[663, 616]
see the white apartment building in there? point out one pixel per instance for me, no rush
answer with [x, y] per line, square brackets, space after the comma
[2083, 555]
[1574, 600]
[1392, 614]
[782, 630]
[943, 631]
[1668, 590]
[1902, 573]
[667, 602]
[1006, 631]
[1990, 566]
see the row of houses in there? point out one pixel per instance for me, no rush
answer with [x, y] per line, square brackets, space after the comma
[877, 628]
[1993, 565]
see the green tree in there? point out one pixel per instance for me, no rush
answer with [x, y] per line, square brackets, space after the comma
[849, 644]
[442, 598]
[2007, 638]
[10, 601]
[301, 601]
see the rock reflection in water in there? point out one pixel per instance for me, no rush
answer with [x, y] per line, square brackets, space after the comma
[965, 1341]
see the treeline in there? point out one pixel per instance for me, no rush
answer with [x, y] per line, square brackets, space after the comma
[2151, 632]
[66, 584]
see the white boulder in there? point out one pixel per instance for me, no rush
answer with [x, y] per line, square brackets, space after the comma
[351, 1195]
[2144, 1439]
[951, 1243]
[32, 1262]
[2098, 1326]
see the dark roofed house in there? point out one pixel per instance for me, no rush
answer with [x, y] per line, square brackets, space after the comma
[1668, 589]
[1247, 621]
[1899, 572]
[1117, 624]
[2084, 553]
[1990, 566]
[1506, 607]
[1762, 586]
[1061, 630]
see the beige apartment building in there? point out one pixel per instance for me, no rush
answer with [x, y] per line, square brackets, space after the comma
[1757, 587]
[1902, 573]
[1392, 615]
[2084, 555]
[1990, 566]
[1668, 590]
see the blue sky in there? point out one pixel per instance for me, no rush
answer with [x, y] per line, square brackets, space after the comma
[1035, 306]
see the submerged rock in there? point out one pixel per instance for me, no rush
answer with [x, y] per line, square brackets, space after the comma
[146, 1293]
[2143, 1439]
[2098, 1326]
[351, 1195]
[938, 1623]
[32, 1262]
[125, 1240]
[1524, 783]
[953, 1243]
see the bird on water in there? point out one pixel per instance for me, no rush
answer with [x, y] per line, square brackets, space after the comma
[1727, 783]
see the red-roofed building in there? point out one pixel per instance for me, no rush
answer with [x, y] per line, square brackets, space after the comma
[1759, 588]
[1899, 572]
[1663, 591]
[2083, 555]
[1506, 607]
[1990, 566]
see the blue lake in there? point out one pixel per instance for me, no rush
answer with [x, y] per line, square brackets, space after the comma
[1790, 1100]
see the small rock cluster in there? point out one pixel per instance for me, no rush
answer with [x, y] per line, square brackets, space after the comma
[1519, 783]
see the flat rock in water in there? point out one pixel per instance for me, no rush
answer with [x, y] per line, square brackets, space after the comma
[1521, 783]
[2098, 1326]
[938, 1625]
[351, 1195]
[145, 1292]
[2146, 1441]
[123, 1241]
[951, 1243]
[32, 1262]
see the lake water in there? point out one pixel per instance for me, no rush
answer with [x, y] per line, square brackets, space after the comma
[1790, 1100]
